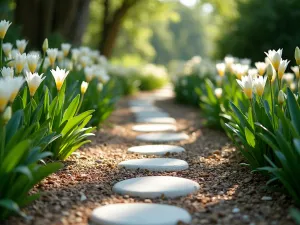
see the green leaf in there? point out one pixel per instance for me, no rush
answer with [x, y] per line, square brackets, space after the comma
[11, 206]
[71, 110]
[294, 110]
[250, 137]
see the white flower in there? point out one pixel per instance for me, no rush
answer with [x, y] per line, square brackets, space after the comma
[46, 64]
[84, 61]
[296, 70]
[33, 80]
[75, 54]
[83, 87]
[102, 60]
[281, 97]
[221, 69]
[7, 72]
[65, 47]
[14, 83]
[52, 53]
[32, 61]
[282, 67]
[259, 85]
[253, 72]
[229, 60]
[245, 61]
[20, 61]
[247, 85]
[5, 93]
[274, 57]
[99, 87]
[21, 45]
[288, 77]
[293, 86]
[84, 51]
[59, 76]
[89, 73]
[60, 56]
[218, 92]
[7, 47]
[4, 25]
[101, 74]
[261, 67]
[240, 70]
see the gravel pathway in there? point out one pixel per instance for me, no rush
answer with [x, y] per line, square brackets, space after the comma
[229, 193]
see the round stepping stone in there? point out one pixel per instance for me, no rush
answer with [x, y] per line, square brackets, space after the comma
[162, 137]
[156, 149]
[154, 127]
[137, 109]
[156, 186]
[156, 120]
[151, 114]
[139, 214]
[158, 164]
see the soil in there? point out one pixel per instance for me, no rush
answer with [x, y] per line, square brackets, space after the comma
[229, 193]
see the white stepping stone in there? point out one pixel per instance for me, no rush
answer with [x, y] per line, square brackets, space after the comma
[151, 114]
[156, 149]
[154, 127]
[157, 164]
[137, 109]
[162, 137]
[139, 214]
[140, 103]
[156, 186]
[155, 120]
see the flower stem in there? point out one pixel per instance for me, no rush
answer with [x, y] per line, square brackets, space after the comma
[80, 103]
[1, 53]
[272, 102]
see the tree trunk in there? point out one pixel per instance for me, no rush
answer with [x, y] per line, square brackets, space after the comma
[111, 26]
[40, 18]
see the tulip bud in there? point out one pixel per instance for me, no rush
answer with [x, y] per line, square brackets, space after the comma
[84, 86]
[281, 97]
[270, 72]
[7, 114]
[99, 87]
[45, 45]
[297, 55]
[218, 92]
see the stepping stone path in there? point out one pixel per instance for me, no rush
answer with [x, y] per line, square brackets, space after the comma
[152, 186]
[155, 149]
[154, 127]
[157, 164]
[156, 187]
[162, 137]
[139, 214]
[156, 120]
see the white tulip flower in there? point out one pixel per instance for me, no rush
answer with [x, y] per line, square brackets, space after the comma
[282, 67]
[4, 25]
[14, 83]
[281, 97]
[52, 54]
[32, 61]
[65, 47]
[259, 85]
[7, 72]
[274, 57]
[221, 69]
[59, 76]
[33, 81]
[89, 73]
[246, 83]
[261, 67]
[75, 54]
[21, 45]
[295, 69]
[99, 87]
[20, 61]
[7, 47]
[289, 78]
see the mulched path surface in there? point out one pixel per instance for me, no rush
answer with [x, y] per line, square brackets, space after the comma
[229, 193]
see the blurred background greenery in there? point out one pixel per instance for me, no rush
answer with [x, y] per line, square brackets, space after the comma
[133, 32]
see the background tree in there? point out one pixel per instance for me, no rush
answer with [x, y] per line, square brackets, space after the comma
[261, 25]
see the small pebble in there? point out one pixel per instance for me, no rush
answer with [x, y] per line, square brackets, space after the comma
[235, 210]
[266, 198]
